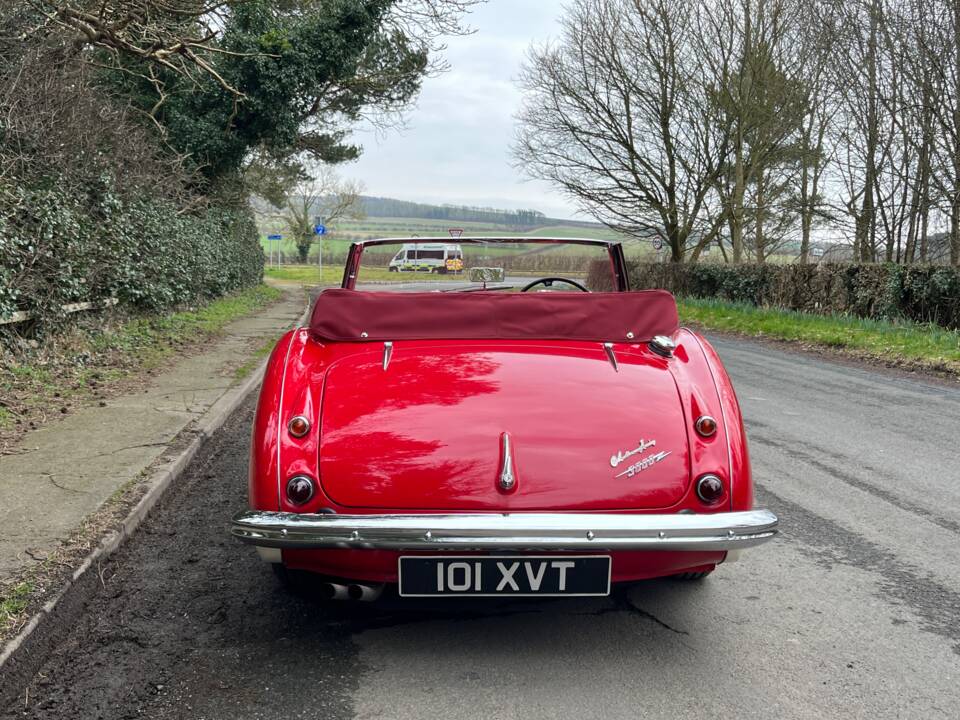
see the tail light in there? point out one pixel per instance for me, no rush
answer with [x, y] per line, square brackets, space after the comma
[710, 489]
[300, 489]
[298, 426]
[706, 426]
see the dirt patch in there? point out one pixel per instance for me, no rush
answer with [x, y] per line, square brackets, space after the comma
[184, 622]
[41, 581]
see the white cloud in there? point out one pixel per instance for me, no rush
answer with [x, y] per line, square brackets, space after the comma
[455, 148]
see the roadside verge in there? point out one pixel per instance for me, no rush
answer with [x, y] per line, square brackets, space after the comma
[181, 408]
[903, 345]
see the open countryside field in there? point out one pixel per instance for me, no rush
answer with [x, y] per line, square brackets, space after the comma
[341, 234]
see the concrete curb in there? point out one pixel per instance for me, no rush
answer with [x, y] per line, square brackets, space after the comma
[161, 478]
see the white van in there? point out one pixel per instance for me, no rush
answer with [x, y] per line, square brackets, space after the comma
[439, 258]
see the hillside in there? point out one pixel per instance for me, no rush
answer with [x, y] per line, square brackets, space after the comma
[424, 219]
[379, 207]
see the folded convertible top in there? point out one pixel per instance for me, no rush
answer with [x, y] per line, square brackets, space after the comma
[358, 316]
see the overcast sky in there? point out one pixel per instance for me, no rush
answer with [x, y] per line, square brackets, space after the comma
[455, 148]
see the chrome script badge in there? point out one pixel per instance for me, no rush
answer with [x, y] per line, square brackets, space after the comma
[643, 464]
[621, 456]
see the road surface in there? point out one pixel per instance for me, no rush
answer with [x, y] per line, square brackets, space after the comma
[853, 612]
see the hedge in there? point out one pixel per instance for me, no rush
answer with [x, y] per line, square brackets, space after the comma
[89, 243]
[922, 293]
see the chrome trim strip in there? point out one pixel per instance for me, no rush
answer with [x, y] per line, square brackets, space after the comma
[387, 354]
[507, 478]
[608, 348]
[515, 531]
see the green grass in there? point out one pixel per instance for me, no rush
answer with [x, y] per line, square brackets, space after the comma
[261, 352]
[81, 365]
[157, 336]
[14, 601]
[310, 275]
[930, 346]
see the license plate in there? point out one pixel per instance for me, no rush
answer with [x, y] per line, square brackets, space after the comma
[499, 575]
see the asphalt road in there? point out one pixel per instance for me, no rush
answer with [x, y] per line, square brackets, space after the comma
[854, 612]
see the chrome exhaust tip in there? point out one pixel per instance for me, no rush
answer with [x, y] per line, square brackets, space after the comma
[364, 593]
[335, 591]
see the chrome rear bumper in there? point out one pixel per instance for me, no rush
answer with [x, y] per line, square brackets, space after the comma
[507, 531]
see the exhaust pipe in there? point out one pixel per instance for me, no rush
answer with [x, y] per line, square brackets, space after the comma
[335, 591]
[364, 593]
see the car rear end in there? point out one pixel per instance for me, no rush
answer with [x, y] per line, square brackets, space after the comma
[500, 466]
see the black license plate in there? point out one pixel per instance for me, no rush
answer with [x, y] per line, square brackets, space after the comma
[499, 575]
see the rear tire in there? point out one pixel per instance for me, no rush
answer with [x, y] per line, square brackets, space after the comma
[692, 575]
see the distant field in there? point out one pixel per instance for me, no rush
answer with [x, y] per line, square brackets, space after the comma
[336, 244]
[309, 275]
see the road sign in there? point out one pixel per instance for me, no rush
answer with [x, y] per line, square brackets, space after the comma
[658, 243]
[274, 237]
[455, 232]
[319, 229]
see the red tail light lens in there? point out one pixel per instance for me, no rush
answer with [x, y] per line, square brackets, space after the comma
[299, 489]
[710, 489]
[298, 426]
[706, 426]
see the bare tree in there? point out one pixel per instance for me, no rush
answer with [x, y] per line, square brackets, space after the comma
[618, 115]
[943, 56]
[327, 197]
[758, 89]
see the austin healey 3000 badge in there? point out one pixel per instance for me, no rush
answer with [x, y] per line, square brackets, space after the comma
[643, 463]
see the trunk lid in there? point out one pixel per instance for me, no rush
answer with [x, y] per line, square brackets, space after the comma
[426, 432]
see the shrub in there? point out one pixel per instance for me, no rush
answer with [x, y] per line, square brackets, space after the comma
[922, 293]
[64, 242]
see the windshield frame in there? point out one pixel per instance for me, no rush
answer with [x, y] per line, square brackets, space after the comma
[614, 249]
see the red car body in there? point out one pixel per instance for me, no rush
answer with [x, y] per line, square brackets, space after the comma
[473, 424]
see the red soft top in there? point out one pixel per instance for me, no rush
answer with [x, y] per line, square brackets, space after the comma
[359, 316]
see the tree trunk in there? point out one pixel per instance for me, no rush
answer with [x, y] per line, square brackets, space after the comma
[806, 214]
[955, 200]
[955, 229]
[759, 239]
[736, 204]
[866, 222]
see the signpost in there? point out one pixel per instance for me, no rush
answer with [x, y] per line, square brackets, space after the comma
[270, 239]
[455, 232]
[657, 243]
[319, 229]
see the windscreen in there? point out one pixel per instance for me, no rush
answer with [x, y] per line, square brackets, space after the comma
[417, 265]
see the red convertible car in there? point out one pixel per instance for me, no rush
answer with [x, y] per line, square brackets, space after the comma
[487, 442]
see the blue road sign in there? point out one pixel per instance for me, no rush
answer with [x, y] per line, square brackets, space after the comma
[320, 230]
[274, 237]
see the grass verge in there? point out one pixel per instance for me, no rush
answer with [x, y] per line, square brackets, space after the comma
[87, 363]
[13, 602]
[333, 275]
[259, 354]
[897, 343]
